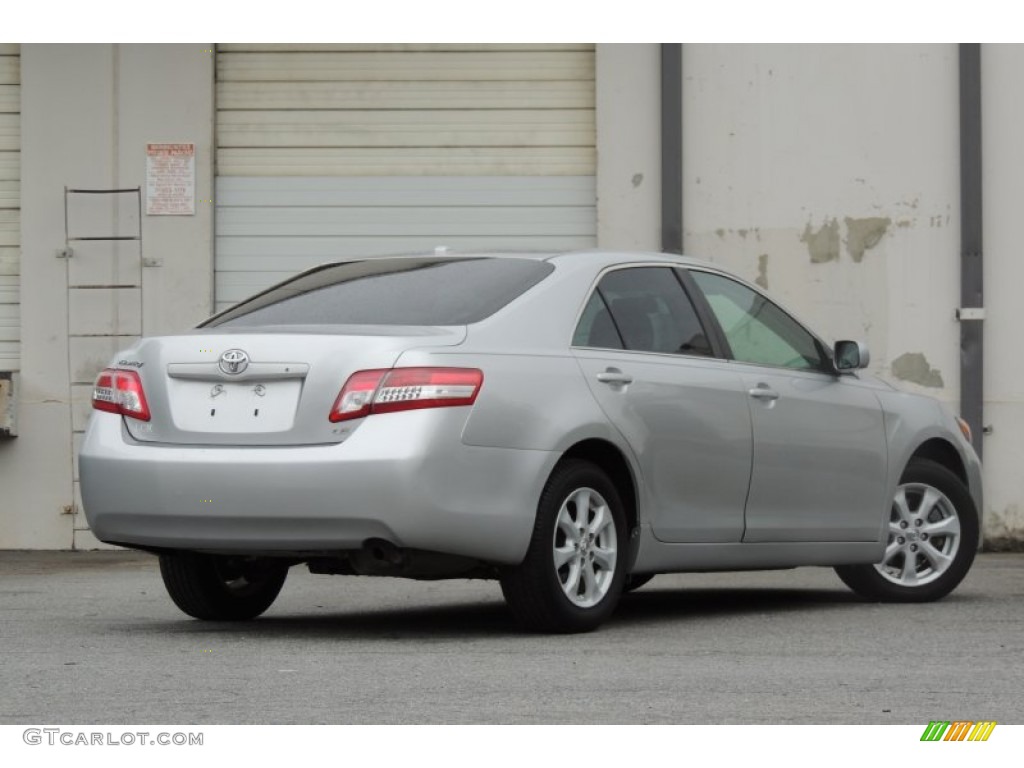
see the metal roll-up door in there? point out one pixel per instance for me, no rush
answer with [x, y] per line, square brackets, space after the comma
[10, 206]
[331, 152]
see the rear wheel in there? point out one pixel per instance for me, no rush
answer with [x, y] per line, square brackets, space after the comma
[933, 535]
[219, 588]
[574, 570]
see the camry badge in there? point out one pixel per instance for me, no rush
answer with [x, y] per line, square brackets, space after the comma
[234, 361]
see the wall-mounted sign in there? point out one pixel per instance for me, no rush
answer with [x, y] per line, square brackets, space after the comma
[170, 179]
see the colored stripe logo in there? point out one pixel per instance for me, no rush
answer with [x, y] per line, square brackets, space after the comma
[958, 730]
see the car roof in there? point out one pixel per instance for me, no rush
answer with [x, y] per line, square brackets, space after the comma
[605, 257]
[591, 256]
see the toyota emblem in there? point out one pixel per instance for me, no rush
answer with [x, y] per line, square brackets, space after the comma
[234, 361]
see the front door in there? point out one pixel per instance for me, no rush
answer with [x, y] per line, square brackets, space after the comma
[819, 462]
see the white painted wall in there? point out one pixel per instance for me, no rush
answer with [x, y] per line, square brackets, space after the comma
[785, 143]
[87, 113]
[1003, 191]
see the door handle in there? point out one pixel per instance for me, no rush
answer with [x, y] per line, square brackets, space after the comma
[614, 376]
[764, 392]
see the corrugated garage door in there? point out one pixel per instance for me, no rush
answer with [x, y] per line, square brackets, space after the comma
[331, 152]
[10, 205]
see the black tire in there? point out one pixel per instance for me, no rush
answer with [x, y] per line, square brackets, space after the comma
[867, 580]
[636, 580]
[219, 588]
[534, 590]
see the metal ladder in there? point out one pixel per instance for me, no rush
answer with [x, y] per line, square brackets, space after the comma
[88, 345]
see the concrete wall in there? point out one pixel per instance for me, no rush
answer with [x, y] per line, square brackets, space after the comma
[87, 113]
[628, 146]
[830, 175]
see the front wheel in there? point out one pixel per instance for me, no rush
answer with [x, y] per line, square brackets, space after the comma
[573, 572]
[933, 535]
[219, 588]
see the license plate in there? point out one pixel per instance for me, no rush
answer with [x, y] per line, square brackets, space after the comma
[251, 406]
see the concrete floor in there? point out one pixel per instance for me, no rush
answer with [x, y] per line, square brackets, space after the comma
[92, 638]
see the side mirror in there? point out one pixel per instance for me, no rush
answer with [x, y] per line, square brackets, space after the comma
[851, 355]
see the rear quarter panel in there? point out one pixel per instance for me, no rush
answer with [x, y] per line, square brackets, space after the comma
[528, 401]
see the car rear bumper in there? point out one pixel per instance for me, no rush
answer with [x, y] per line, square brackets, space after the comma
[405, 478]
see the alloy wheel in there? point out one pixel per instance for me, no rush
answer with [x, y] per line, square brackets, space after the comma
[585, 547]
[924, 536]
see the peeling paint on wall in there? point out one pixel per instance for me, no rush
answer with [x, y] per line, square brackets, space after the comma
[822, 245]
[864, 234]
[914, 367]
[762, 271]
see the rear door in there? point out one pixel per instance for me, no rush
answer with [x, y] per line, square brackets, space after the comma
[819, 464]
[649, 363]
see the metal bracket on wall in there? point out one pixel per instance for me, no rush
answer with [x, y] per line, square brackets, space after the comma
[970, 313]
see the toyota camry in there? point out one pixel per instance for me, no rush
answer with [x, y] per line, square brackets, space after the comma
[567, 424]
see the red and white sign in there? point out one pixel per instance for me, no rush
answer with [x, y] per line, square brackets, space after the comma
[170, 179]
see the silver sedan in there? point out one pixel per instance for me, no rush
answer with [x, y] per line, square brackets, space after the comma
[568, 424]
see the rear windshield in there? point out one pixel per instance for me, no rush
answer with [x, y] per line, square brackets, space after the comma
[388, 291]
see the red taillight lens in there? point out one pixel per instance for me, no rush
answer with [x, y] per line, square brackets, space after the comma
[120, 392]
[356, 396]
[405, 389]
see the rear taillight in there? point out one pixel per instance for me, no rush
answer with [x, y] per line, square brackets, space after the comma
[405, 389]
[120, 392]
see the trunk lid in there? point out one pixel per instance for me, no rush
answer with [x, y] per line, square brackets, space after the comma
[261, 386]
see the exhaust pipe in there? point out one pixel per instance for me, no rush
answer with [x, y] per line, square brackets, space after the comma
[383, 552]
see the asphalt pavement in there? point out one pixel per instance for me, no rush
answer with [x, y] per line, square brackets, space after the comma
[91, 638]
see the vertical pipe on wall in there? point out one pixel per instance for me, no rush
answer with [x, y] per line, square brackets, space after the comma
[672, 147]
[971, 285]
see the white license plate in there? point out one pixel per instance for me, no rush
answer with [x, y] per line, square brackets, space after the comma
[206, 406]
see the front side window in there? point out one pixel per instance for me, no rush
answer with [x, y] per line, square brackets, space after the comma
[643, 309]
[757, 330]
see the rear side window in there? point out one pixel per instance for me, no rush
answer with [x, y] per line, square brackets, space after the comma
[389, 291]
[643, 309]
[596, 327]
